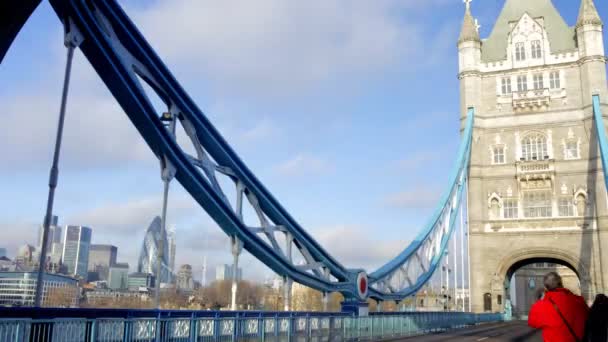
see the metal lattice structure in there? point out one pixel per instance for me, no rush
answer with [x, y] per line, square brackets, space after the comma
[128, 66]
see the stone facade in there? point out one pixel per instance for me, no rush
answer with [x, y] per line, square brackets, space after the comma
[536, 189]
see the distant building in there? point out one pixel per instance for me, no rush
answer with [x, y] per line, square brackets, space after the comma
[224, 272]
[3, 252]
[148, 257]
[18, 289]
[139, 281]
[26, 259]
[54, 241]
[171, 248]
[6, 264]
[118, 278]
[76, 244]
[101, 258]
[184, 278]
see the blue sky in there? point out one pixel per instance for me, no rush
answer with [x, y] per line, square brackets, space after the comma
[346, 110]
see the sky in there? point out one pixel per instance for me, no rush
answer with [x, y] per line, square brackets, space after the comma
[347, 111]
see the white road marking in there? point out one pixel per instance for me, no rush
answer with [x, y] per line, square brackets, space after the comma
[483, 338]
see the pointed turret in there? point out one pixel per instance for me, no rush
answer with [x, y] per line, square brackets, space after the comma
[469, 62]
[588, 14]
[469, 30]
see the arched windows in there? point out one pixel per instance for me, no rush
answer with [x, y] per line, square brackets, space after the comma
[487, 302]
[534, 147]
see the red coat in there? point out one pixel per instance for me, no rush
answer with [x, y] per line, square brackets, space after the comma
[544, 316]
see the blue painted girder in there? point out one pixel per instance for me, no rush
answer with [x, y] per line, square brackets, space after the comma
[601, 135]
[119, 53]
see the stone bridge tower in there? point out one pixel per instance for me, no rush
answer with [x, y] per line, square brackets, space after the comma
[536, 189]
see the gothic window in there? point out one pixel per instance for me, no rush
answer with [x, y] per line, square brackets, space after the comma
[571, 149]
[534, 147]
[522, 83]
[537, 204]
[536, 49]
[499, 299]
[510, 206]
[554, 80]
[506, 85]
[566, 206]
[520, 52]
[498, 154]
[538, 81]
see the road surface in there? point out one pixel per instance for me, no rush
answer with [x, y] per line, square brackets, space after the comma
[504, 332]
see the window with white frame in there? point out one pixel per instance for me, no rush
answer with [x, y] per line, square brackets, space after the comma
[566, 206]
[538, 81]
[520, 52]
[536, 49]
[511, 208]
[572, 149]
[498, 154]
[534, 147]
[537, 204]
[506, 85]
[522, 83]
[554, 80]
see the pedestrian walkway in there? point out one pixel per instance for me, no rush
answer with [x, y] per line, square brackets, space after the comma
[500, 332]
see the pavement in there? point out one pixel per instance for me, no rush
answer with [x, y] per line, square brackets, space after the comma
[517, 331]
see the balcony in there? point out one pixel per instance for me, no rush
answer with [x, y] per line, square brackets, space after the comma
[536, 174]
[534, 99]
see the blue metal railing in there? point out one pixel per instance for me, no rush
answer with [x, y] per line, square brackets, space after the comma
[237, 326]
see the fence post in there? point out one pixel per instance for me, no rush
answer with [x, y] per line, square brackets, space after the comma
[193, 328]
[93, 330]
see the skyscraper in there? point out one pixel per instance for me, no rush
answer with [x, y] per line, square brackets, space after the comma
[2, 252]
[101, 258]
[118, 278]
[148, 257]
[171, 242]
[76, 243]
[224, 272]
[54, 241]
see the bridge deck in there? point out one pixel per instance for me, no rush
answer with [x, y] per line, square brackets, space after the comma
[496, 332]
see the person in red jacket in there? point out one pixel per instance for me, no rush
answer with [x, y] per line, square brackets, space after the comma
[560, 313]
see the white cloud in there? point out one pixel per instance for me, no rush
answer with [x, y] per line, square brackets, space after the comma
[278, 46]
[304, 165]
[134, 215]
[356, 246]
[261, 130]
[418, 198]
[96, 131]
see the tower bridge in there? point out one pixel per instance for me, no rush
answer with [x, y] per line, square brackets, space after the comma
[528, 180]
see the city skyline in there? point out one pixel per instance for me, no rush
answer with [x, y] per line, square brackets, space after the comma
[394, 88]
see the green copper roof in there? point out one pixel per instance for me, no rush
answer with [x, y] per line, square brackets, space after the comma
[561, 36]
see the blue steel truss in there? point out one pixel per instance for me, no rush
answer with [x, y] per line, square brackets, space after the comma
[601, 135]
[123, 60]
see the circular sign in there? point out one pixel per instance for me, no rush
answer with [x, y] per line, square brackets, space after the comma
[362, 285]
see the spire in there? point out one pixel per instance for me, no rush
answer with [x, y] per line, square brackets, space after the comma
[588, 14]
[469, 30]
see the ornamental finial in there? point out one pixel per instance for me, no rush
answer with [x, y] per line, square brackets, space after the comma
[467, 3]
